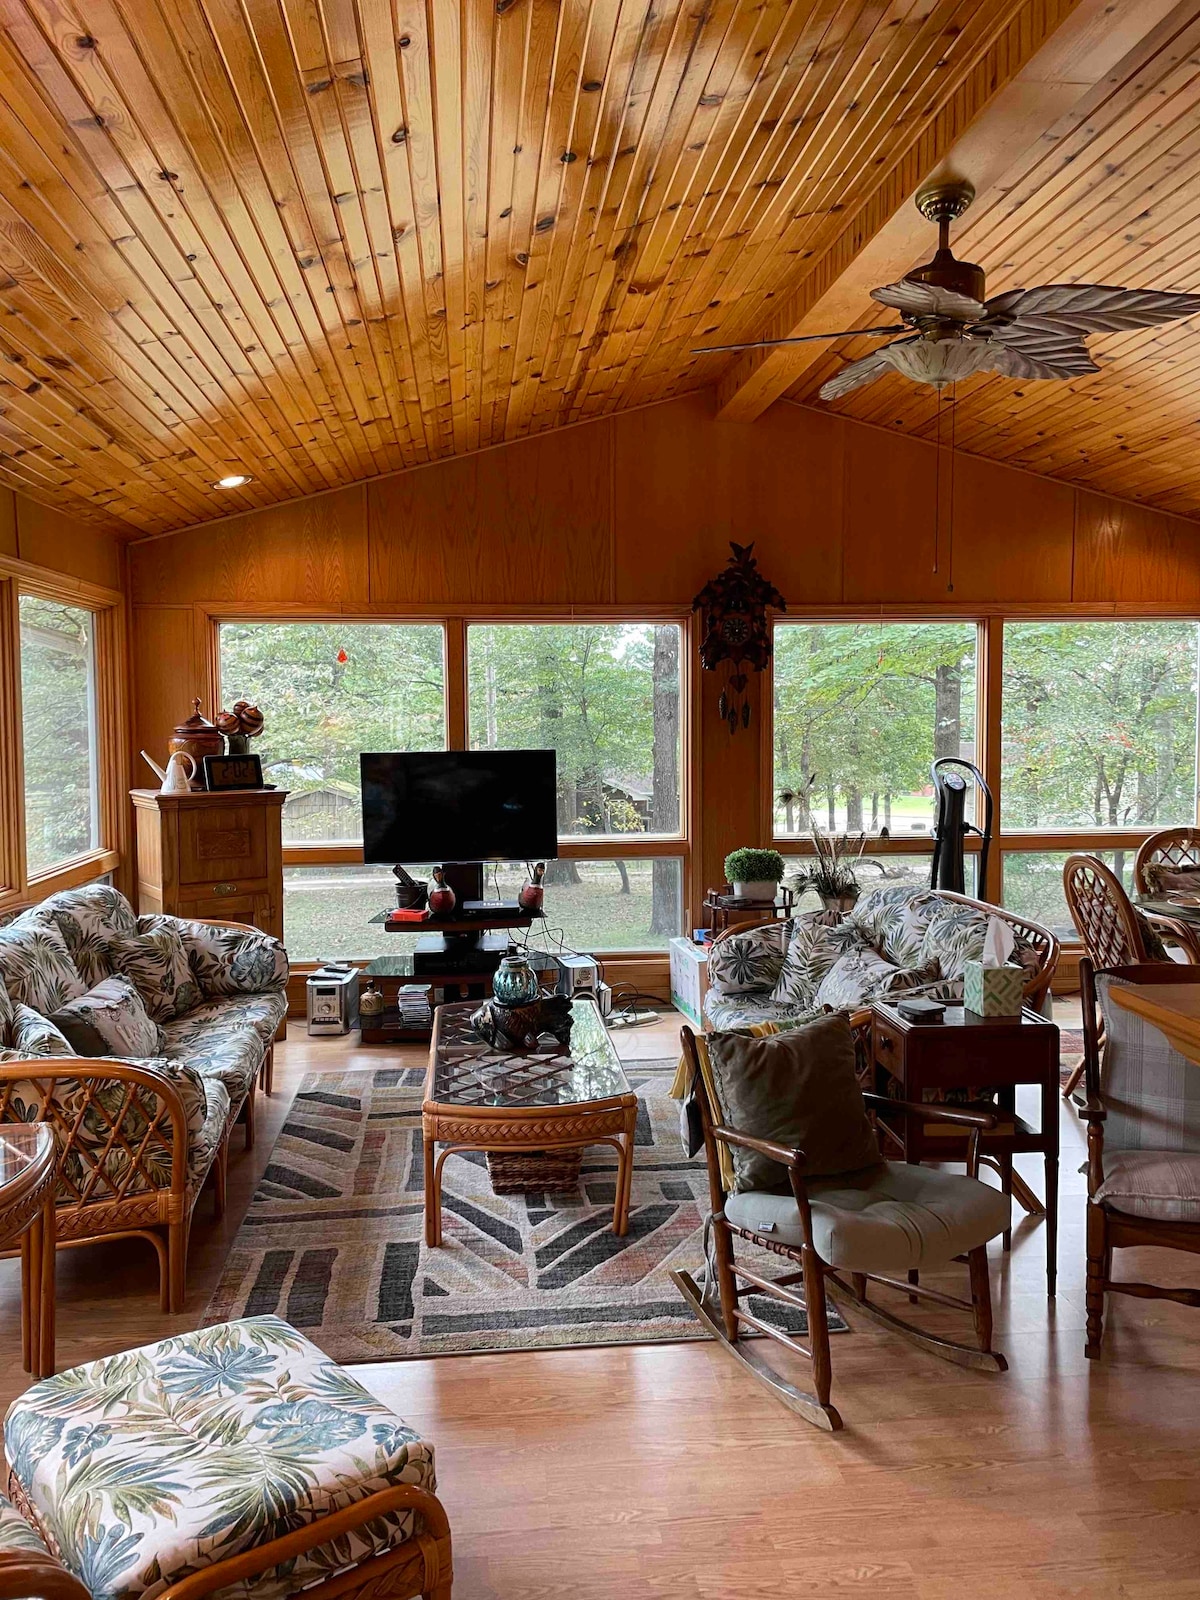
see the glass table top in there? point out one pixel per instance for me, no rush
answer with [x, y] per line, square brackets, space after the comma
[470, 1072]
[21, 1145]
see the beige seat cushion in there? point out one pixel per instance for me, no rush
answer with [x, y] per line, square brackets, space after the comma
[1163, 1184]
[885, 1219]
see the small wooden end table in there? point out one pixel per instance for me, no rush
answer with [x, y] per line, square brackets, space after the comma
[968, 1051]
[547, 1099]
[27, 1200]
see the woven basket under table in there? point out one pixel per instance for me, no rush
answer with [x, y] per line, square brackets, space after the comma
[530, 1171]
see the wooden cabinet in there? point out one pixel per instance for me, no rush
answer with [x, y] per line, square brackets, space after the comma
[212, 855]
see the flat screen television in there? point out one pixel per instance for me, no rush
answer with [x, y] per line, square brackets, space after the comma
[459, 805]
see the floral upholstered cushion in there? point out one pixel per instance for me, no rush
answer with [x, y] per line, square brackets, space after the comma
[157, 964]
[137, 1160]
[16, 1535]
[35, 1035]
[147, 1466]
[216, 1047]
[750, 961]
[88, 918]
[262, 1012]
[227, 961]
[109, 1020]
[898, 927]
[954, 936]
[744, 1010]
[35, 966]
[863, 975]
[818, 941]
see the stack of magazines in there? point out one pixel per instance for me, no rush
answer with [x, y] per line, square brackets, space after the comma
[413, 1003]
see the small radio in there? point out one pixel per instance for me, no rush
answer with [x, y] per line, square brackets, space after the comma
[332, 995]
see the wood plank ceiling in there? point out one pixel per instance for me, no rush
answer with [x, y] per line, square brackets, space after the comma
[318, 240]
[1111, 194]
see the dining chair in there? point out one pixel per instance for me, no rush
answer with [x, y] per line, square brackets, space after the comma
[1142, 1111]
[1114, 931]
[1170, 851]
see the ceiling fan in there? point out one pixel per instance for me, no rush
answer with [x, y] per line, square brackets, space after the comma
[952, 331]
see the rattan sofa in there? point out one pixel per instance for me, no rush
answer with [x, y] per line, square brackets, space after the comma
[138, 1138]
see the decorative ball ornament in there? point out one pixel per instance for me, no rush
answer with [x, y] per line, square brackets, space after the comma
[736, 629]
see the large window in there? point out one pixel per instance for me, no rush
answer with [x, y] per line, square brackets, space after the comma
[605, 697]
[1099, 724]
[58, 719]
[328, 691]
[861, 711]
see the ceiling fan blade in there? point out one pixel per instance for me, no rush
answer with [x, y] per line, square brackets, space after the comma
[856, 373]
[803, 338]
[918, 299]
[1082, 308]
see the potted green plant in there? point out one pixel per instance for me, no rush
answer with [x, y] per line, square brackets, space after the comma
[833, 875]
[754, 874]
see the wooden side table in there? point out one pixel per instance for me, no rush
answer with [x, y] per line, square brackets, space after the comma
[967, 1051]
[27, 1200]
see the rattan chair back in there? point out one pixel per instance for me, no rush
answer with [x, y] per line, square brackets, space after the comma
[1102, 912]
[1171, 847]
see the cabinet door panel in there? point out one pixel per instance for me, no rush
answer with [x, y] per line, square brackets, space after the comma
[225, 842]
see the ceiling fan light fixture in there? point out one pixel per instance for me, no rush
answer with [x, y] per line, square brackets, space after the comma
[939, 361]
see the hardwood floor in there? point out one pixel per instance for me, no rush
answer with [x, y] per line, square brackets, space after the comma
[665, 1472]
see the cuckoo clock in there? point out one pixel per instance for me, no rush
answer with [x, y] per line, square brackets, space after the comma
[734, 606]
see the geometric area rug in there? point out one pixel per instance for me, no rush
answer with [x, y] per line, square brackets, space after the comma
[334, 1238]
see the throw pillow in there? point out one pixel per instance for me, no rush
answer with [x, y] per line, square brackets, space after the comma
[799, 1090]
[34, 1035]
[746, 962]
[35, 966]
[954, 937]
[818, 941]
[864, 975]
[110, 1020]
[158, 966]
[227, 961]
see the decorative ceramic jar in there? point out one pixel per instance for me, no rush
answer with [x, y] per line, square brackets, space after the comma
[442, 900]
[371, 1002]
[197, 737]
[761, 890]
[532, 893]
[515, 983]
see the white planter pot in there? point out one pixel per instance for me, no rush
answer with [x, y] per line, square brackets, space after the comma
[756, 891]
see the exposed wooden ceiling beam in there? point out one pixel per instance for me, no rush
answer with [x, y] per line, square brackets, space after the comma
[982, 136]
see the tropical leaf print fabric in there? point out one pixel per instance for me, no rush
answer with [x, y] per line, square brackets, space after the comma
[15, 1533]
[35, 966]
[34, 1035]
[158, 966]
[863, 975]
[151, 1465]
[818, 941]
[109, 1020]
[226, 961]
[748, 962]
[89, 919]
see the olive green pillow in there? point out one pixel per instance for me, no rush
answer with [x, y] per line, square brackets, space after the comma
[797, 1089]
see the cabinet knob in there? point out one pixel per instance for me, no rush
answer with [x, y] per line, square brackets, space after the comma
[885, 1041]
[224, 888]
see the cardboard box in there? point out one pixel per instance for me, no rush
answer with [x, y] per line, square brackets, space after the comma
[689, 978]
[993, 991]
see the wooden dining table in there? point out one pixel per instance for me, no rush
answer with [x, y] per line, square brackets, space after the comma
[1173, 1008]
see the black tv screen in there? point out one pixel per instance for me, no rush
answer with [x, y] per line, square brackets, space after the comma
[459, 805]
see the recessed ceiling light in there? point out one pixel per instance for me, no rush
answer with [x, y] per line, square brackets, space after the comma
[235, 480]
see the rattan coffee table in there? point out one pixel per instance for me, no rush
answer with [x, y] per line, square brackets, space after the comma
[546, 1102]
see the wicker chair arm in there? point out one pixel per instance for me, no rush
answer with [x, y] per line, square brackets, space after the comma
[28, 1575]
[250, 1563]
[792, 1159]
[1178, 930]
[932, 1113]
[103, 1069]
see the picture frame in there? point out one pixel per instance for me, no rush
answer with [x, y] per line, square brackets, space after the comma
[233, 772]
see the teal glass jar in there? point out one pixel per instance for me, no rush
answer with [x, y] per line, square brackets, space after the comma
[515, 982]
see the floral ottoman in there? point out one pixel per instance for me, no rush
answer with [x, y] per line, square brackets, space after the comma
[238, 1459]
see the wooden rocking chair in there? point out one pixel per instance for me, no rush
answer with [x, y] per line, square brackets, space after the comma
[982, 1215]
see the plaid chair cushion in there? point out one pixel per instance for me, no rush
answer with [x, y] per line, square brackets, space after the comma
[1164, 1184]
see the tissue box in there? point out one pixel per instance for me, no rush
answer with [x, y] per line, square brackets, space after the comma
[993, 991]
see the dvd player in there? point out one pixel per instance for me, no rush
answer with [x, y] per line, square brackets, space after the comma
[490, 908]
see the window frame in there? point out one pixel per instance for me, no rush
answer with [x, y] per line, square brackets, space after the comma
[990, 620]
[455, 622]
[18, 886]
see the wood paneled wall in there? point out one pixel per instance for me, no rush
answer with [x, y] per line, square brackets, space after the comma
[47, 538]
[638, 510]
